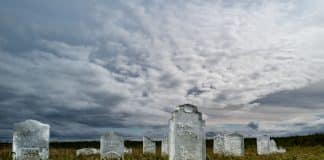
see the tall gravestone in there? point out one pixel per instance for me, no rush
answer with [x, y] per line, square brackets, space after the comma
[111, 146]
[30, 140]
[218, 144]
[165, 146]
[148, 145]
[263, 145]
[186, 134]
[234, 144]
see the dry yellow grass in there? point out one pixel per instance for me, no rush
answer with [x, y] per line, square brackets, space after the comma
[293, 153]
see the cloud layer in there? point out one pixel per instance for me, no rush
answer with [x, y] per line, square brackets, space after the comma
[100, 65]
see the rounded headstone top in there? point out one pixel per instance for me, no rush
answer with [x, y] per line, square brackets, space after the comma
[111, 134]
[235, 134]
[30, 123]
[188, 108]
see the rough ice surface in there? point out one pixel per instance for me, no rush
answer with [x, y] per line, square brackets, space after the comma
[87, 151]
[263, 145]
[148, 145]
[30, 140]
[111, 146]
[219, 144]
[165, 146]
[234, 144]
[186, 134]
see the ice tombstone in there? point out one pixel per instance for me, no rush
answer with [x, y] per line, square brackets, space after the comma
[186, 134]
[148, 145]
[165, 146]
[30, 140]
[273, 146]
[86, 151]
[111, 146]
[234, 144]
[263, 145]
[219, 144]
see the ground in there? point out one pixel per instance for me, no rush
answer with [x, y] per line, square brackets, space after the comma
[298, 148]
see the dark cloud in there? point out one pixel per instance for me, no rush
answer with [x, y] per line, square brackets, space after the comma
[253, 125]
[86, 67]
[27, 23]
[195, 91]
[306, 97]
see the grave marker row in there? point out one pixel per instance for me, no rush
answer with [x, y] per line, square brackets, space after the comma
[186, 140]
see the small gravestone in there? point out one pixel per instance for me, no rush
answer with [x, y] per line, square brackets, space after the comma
[30, 140]
[274, 148]
[186, 134]
[165, 146]
[148, 145]
[219, 144]
[87, 151]
[263, 145]
[111, 146]
[234, 144]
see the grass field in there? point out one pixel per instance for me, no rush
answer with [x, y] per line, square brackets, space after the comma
[298, 148]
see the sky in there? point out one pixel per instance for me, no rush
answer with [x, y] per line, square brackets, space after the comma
[91, 66]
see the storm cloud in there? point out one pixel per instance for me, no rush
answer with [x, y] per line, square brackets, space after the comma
[94, 66]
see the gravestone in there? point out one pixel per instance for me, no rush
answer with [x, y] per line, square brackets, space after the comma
[234, 144]
[148, 145]
[274, 148]
[263, 145]
[165, 146]
[186, 134]
[218, 144]
[111, 146]
[30, 140]
[87, 151]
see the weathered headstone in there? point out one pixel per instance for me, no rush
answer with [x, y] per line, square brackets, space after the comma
[274, 148]
[219, 144]
[263, 145]
[30, 140]
[87, 151]
[165, 146]
[111, 146]
[186, 134]
[148, 145]
[234, 144]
